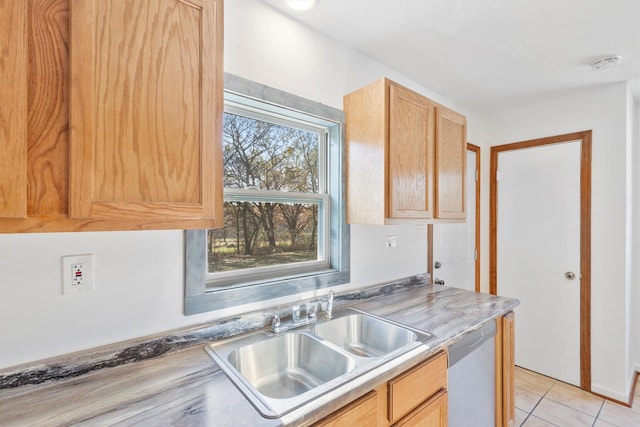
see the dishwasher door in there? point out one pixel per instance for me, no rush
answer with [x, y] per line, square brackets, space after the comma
[472, 378]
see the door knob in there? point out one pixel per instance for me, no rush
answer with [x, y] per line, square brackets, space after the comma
[437, 264]
[570, 275]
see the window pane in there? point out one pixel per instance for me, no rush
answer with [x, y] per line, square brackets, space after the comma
[259, 234]
[267, 156]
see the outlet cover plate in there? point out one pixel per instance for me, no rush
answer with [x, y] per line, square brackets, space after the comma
[77, 274]
[391, 242]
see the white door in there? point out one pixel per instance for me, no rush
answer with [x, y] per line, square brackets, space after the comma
[454, 244]
[538, 244]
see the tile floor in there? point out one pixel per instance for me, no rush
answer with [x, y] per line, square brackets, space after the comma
[542, 402]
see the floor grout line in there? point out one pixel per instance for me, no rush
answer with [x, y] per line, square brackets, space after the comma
[567, 404]
[598, 414]
[553, 382]
[530, 414]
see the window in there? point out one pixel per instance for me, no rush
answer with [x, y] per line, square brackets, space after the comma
[285, 230]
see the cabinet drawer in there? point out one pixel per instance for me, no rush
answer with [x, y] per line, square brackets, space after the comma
[413, 387]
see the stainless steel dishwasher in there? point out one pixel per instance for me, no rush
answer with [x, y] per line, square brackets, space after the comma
[472, 378]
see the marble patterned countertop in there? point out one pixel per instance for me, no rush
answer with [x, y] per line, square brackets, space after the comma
[187, 388]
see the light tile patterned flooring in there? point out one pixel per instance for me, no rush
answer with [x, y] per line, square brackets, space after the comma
[542, 402]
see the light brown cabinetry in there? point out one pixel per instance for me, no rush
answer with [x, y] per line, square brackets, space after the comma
[505, 371]
[362, 412]
[450, 164]
[417, 397]
[410, 152]
[406, 158]
[432, 413]
[119, 118]
[13, 109]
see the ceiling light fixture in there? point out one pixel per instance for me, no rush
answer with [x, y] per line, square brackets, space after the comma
[605, 63]
[302, 4]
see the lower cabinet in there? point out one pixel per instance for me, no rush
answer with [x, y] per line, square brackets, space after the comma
[417, 397]
[505, 371]
[363, 411]
[432, 413]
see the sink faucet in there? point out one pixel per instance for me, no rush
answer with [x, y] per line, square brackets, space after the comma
[328, 313]
[275, 323]
[325, 305]
[297, 320]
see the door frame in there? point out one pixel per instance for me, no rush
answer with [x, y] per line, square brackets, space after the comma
[585, 234]
[476, 150]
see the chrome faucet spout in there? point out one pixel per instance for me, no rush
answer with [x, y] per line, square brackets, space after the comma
[329, 312]
[275, 323]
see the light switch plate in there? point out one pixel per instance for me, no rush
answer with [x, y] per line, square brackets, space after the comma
[77, 274]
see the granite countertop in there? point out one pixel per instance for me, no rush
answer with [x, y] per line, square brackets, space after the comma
[187, 388]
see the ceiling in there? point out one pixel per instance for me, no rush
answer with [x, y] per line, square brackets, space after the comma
[488, 55]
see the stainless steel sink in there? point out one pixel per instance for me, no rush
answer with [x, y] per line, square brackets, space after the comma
[364, 335]
[278, 373]
[289, 365]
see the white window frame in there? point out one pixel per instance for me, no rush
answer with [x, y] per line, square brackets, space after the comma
[206, 291]
[258, 274]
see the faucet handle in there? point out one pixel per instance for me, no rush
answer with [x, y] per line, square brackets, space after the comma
[312, 308]
[329, 312]
[295, 313]
[275, 323]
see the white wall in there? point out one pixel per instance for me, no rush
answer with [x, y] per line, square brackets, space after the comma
[635, 329]
[139, 275]
[630, 292]
[604, 110]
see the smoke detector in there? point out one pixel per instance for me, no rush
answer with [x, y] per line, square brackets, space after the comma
[605, 63]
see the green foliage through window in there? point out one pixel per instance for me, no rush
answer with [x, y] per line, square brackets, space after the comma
[285, 232]
[265, 162]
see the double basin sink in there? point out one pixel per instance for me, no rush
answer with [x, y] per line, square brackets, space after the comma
[278, 373]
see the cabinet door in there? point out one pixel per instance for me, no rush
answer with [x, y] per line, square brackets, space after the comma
[146, 109]
[363, 412]
[450, 164]
[411, 132]
[416, 385]
[13, 109]
[432, 413]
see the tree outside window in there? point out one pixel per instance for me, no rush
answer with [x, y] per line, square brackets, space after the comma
[269, 165]
[284, 214]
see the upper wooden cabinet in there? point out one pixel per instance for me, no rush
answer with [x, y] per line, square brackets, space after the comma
[122, 121]
[410, 152]
[451, 164]
[13, 109]
[406, 157]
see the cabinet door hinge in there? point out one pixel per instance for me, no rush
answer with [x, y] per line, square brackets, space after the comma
[498, 176]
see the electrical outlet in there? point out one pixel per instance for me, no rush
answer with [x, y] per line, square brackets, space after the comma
[391, 242]
[77, 274]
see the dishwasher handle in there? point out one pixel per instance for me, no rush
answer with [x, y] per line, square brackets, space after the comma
[470, 341]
